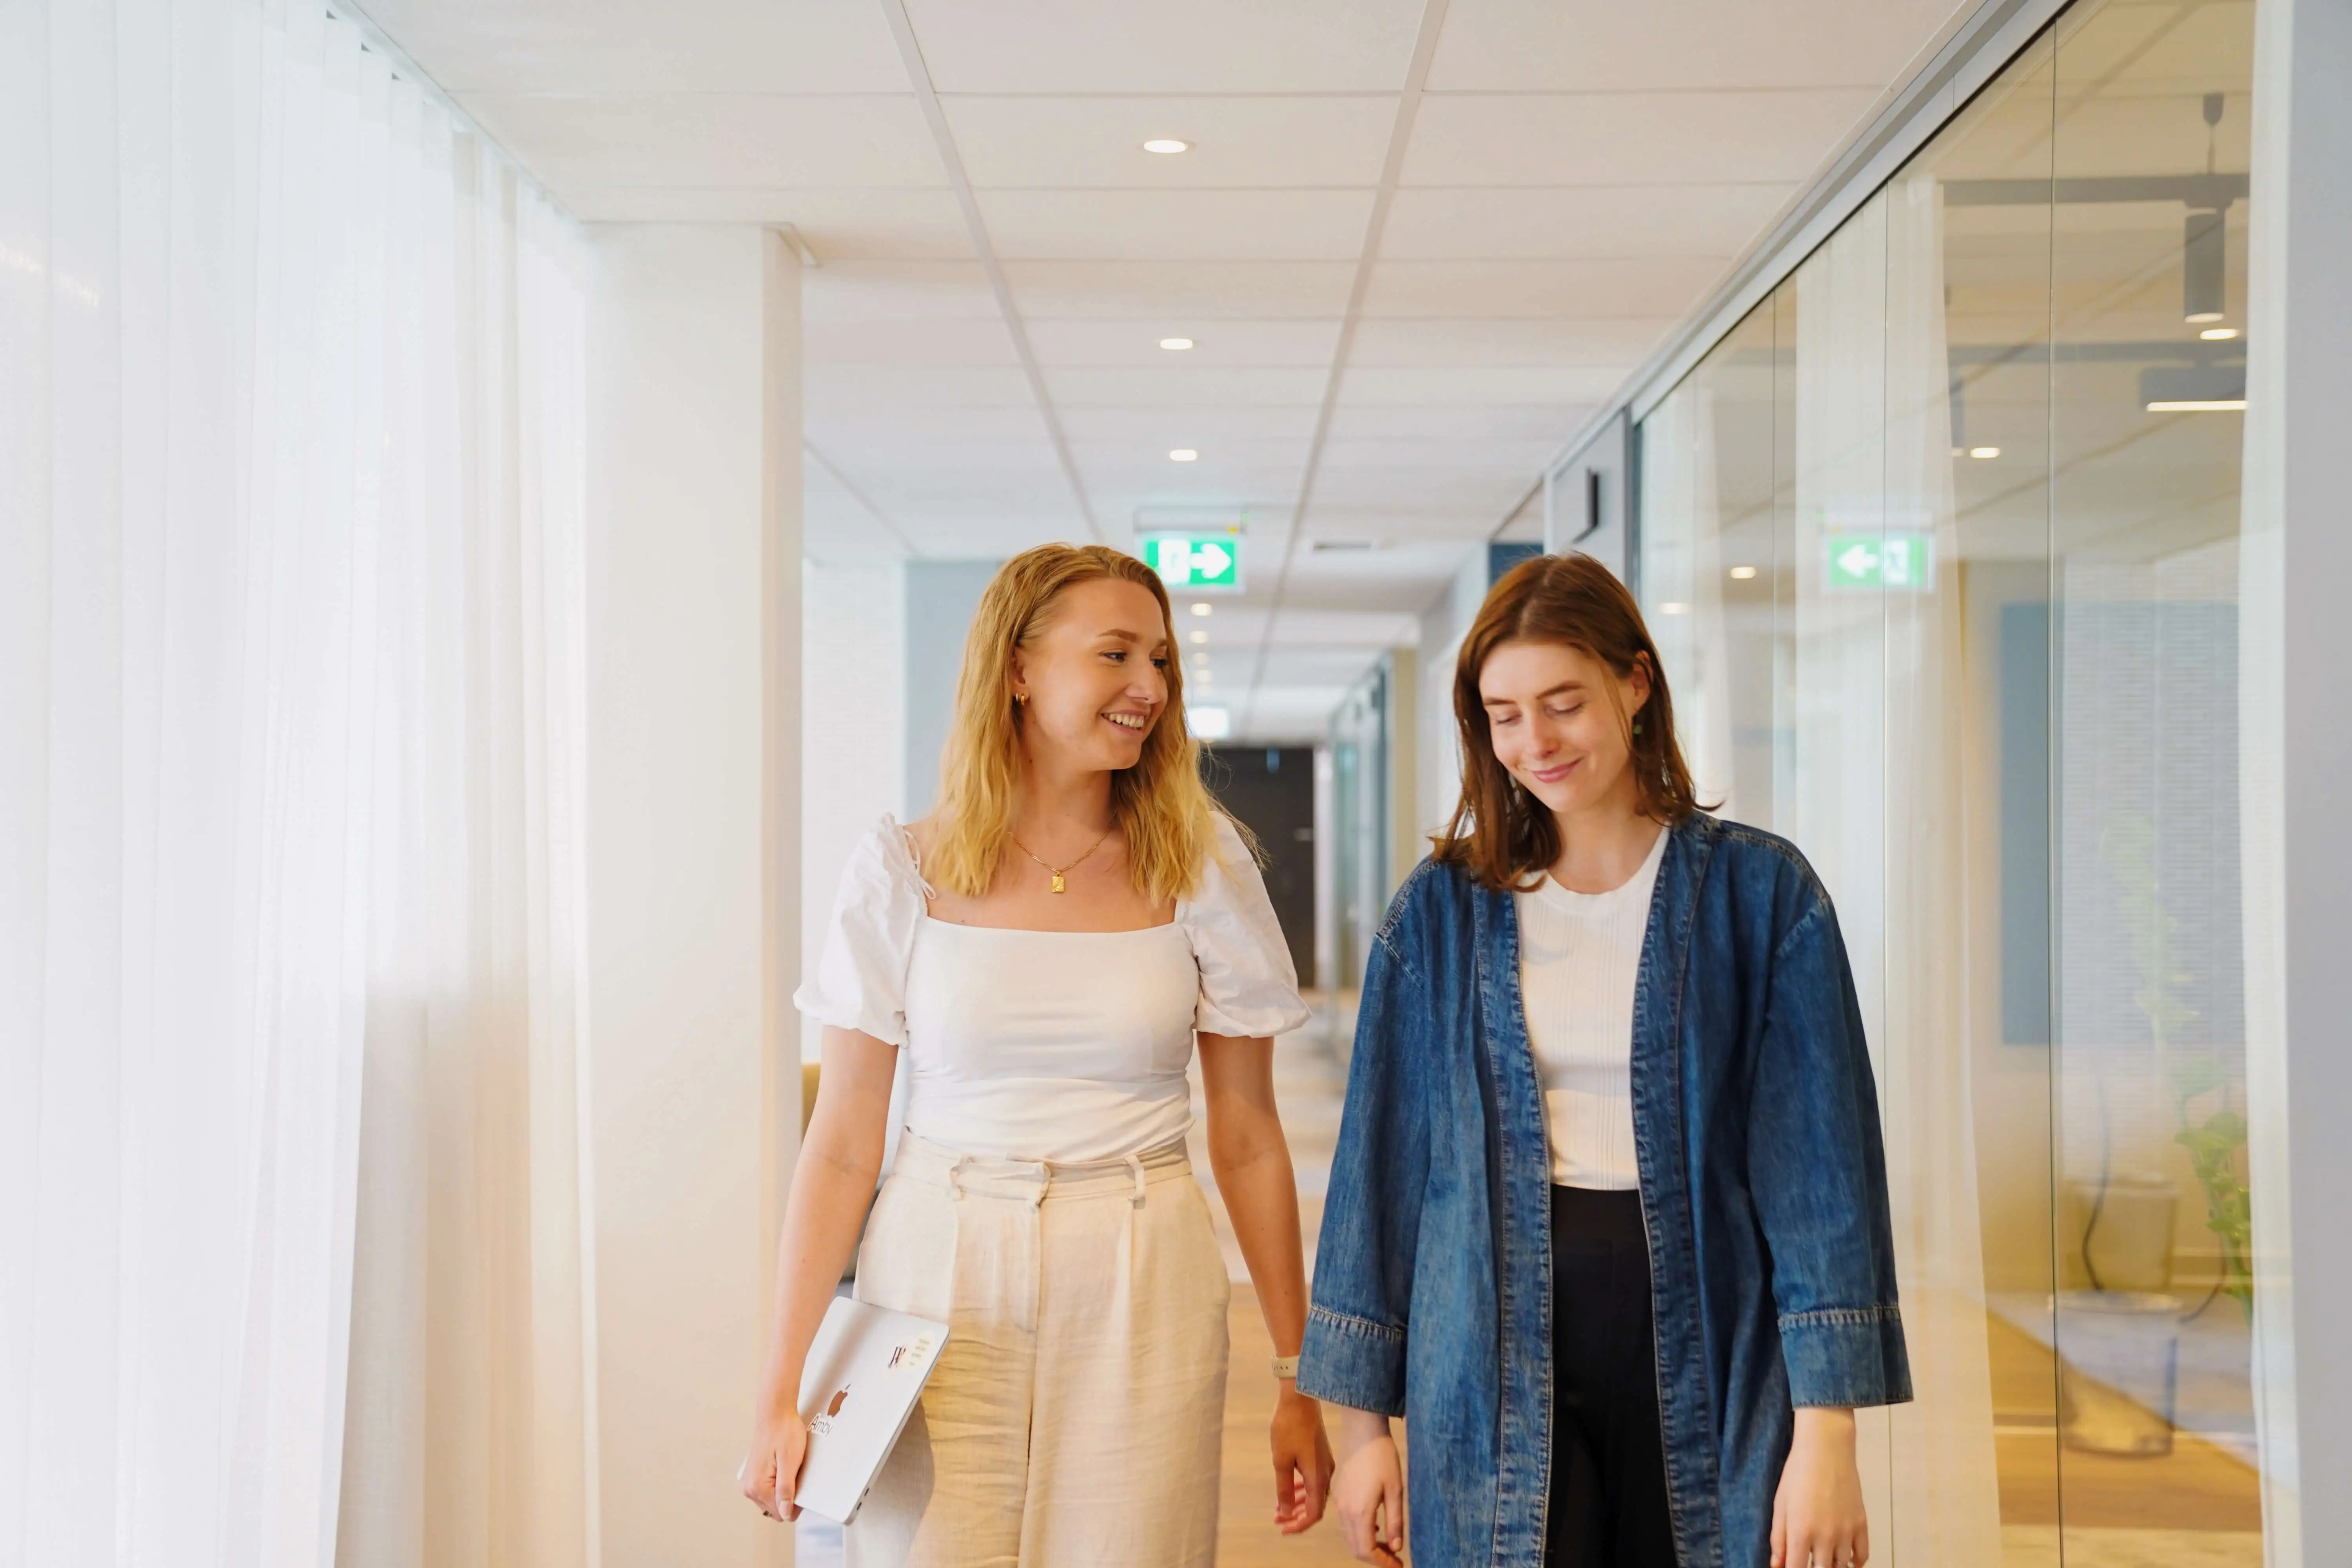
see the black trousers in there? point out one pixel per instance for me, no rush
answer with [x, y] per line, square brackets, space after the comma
[1608, 1507]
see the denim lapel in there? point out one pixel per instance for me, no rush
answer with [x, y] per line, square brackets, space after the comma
[1522, 1238]
[1663, 1151]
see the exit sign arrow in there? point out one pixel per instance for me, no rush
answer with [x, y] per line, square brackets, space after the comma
[1194, 562]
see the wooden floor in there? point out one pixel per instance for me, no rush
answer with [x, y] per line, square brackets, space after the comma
[1246, 1537]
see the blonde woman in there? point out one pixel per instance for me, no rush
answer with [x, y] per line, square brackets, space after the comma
[1047, 946]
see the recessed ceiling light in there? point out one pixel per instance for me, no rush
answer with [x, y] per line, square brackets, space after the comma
[1984, 452]
[1201, 607]
[2217, 334]
[1175, 345]
[2198, 406]
[1201, 637]
[1742, 573]
[1673, 607]
[1167, 145]
[1183, 455]
[2193, 317]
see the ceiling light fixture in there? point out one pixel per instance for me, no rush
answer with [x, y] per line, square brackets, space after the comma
[1201, 607]
[1183, 455]
[1175, 345]
[1742, 573]
[1673, 607]
[1167, 145]
[1201, 637]
[2217, 334]
[1983, 452]
[2204, 243]
[2194, 389]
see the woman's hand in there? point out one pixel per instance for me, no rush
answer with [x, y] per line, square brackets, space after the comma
[1367, 1491]
[771, 1475]
[1302, 1461]
[1817, 1516]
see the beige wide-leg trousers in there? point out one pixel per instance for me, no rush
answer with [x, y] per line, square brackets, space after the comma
[1073, 1419]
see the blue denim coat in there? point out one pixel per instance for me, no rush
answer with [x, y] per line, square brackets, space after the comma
[1763, 1190]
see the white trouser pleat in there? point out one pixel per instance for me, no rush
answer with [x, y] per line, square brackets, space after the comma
[1075, 1415]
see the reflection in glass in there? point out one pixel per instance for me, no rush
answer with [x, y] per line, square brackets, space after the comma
[1939, 545]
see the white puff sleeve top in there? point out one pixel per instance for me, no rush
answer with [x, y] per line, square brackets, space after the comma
[1064, 1046]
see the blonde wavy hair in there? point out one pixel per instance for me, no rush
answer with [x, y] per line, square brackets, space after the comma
[1160, 805]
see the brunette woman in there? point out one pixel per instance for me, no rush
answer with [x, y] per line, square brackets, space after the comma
[1608, 1219]
[1045, 947]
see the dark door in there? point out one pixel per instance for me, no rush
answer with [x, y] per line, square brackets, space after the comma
[1271, 790]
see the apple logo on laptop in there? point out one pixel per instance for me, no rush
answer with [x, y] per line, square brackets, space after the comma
[834, 1408]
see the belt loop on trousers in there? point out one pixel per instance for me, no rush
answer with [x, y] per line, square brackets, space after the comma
[1135, 1163]
[1045, 1185]
[955, 1176]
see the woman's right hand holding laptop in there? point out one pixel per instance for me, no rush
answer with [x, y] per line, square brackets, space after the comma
[771, 1470]
[833, 1184]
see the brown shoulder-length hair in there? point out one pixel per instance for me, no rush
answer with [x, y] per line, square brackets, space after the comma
[1500, 834]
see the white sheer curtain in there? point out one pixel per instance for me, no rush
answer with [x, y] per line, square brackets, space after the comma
[290, 446]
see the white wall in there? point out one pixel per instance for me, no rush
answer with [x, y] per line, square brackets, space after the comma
[940, 598]
[853, 719]
[693, 837]
[1443, 626]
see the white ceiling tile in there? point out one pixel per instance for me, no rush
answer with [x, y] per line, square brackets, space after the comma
[1161, 428]
[1664, 286]
[1201, 47]
[628, 46]
[1167, 387]
[838, 226]
[1222, 344]
[894, 433]
[1542, 45]
[1177, 225]
[915, 341]
[1511, 423]
[1372, 385]
[1508, 223]
[708, 139]
[1629, 138]
[889, 292]
[1237, 143]
[892, 386]
[1490, 341]
[1191, 291]
[1442, 456]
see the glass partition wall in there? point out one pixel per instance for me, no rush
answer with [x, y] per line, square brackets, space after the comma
[1939, 546]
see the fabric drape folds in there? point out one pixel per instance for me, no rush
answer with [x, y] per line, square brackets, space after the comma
[292, 1082]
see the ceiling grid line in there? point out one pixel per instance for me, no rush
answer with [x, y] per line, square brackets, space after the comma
[833, 471]
[919, 77]
[1424, 51]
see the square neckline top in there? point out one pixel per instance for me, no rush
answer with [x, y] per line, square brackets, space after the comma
[1032, 1056]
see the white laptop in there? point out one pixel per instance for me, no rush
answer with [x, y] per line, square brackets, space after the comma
[864, 1370]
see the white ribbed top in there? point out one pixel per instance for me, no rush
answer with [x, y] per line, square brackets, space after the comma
[1579, 956]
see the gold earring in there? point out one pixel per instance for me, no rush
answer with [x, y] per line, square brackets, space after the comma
[1021, 698]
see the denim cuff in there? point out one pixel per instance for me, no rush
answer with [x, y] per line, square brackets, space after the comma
[1845, 1356]
[1352, 1362]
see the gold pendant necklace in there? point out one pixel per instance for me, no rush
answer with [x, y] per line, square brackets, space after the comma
[1060, 872]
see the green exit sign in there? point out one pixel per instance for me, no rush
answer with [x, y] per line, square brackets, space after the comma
[1898, 563]
[1195, 563]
